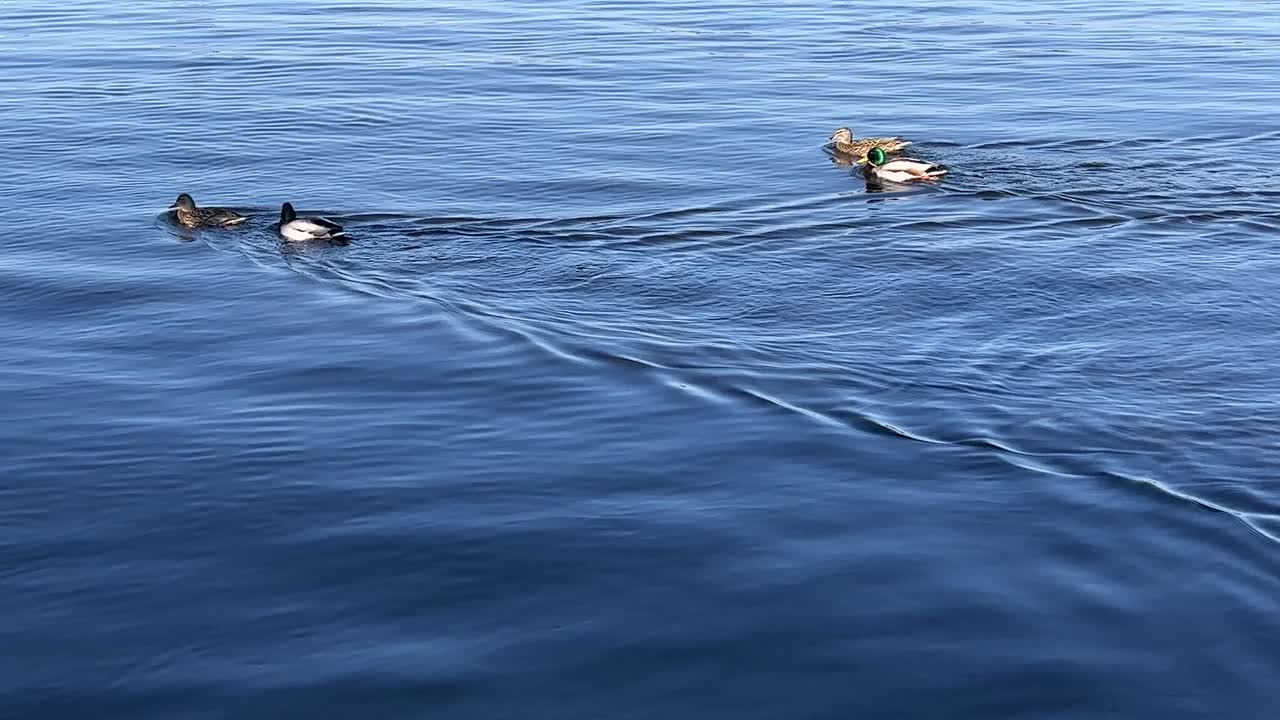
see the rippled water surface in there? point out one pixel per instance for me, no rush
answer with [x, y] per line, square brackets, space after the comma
[626, 401]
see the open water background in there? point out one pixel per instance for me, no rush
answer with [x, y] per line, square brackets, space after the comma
[626, 401]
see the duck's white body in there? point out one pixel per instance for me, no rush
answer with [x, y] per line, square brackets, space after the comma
[906, 170]
[307, 229]
[304, 229]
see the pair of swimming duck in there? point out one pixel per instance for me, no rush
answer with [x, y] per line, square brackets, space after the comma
[290, 227]
[873, 155]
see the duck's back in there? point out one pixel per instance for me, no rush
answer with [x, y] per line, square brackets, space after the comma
[209, 217]
[861, 146]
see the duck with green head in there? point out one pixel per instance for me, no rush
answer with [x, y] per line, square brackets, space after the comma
[900, 170]
[191, 216]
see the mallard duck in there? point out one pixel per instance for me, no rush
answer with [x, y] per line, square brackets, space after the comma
[842, 142]
[900, 170]
[307, 229]
[191, 216]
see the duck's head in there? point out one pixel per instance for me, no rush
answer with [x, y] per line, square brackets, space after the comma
[287, 214]
[842, 135]
[184, 202]
[877, 156]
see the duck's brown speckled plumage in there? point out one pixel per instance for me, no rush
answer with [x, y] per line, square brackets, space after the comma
[191, 216]
[842, 141]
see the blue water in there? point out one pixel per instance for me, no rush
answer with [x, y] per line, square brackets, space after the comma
[626, 401]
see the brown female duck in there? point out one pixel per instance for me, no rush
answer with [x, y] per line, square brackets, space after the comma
[842, 141]
[191, 216]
